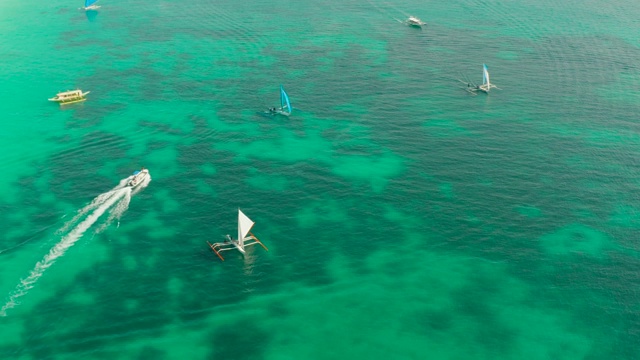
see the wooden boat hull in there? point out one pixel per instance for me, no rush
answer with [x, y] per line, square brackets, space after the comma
[69, 101]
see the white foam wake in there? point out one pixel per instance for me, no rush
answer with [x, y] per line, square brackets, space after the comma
[99, 200]
[119, 196]
[118, 209]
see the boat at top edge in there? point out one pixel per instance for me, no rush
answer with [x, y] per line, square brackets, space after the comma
[90, 5]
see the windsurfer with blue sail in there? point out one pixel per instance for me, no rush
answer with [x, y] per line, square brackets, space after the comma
[285, 105]
[90, 5]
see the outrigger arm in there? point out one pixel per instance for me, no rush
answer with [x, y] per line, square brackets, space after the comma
[233, 244]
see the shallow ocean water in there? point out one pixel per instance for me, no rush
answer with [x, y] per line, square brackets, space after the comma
[404, 217]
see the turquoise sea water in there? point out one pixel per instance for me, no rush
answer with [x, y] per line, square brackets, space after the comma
[405, 218]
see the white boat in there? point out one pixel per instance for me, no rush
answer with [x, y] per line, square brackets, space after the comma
[90, 5]
[139, 176]
[414, 21]
[70, 97]
[245, 237]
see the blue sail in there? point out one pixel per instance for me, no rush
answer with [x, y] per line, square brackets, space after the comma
[88, 3]
[485, 74]
[284, 100]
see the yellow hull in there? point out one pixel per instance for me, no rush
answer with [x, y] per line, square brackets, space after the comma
[68, 101]
[72, 101]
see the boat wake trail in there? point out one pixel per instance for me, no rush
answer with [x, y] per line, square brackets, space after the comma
[118, 209]
[99, 200]
[384, 11]
[114, 202]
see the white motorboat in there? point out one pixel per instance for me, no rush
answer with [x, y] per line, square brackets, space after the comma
[414, 21]
[139, 176]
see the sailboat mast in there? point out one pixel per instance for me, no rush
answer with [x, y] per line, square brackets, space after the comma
[240, 232]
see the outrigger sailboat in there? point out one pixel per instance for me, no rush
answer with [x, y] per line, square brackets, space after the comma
[70, 97]
[89, 5]
[244, 227]
[486, 85]
[285, 105]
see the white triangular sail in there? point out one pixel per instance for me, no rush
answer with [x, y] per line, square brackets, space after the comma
[244, 226]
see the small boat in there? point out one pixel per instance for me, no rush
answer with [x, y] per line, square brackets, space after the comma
[70, 97]
[90, 5]
[486, 85]
[139, 176]
[285, 105]
[414, 21]
[244, 227]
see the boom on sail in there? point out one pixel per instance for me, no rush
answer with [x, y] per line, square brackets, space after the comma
[90, 5]
[245, 238]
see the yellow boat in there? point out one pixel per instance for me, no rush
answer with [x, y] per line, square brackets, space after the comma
[70, 97]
